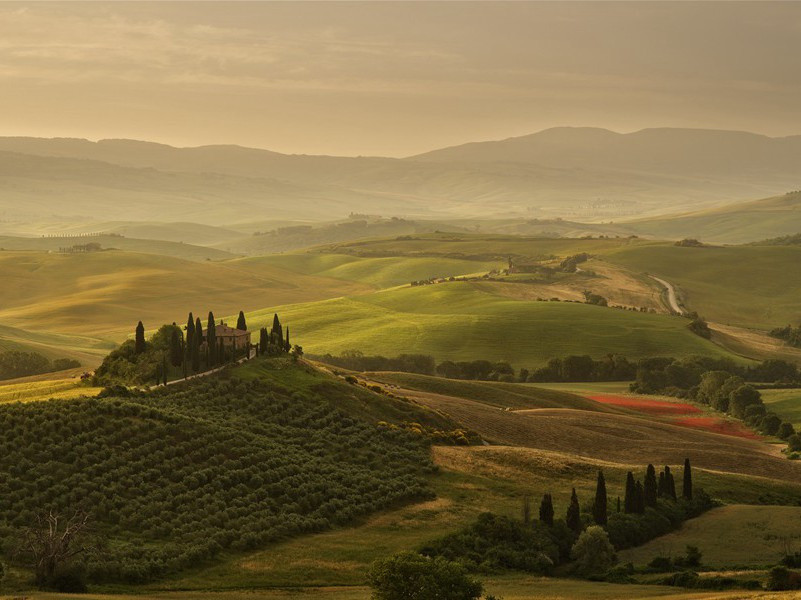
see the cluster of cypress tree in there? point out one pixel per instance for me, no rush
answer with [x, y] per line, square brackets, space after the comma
[638, 496]
[273, 341]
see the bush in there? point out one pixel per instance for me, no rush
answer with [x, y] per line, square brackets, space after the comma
[661, 564]
[593, 553]
[781, 579]
[794, 443]
[785, 430]
[410, 576]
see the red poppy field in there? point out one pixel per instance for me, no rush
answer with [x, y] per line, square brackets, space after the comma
[678, 413]
[646, 405]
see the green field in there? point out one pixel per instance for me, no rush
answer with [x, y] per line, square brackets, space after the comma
[467, 321]
[785, 403]
[748, 286]
[378, 272]
[732, 224]
[731, 537]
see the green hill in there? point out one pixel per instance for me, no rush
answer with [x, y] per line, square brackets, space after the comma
[748, 286]
[466, 321]
[173, 478]
[731, 224]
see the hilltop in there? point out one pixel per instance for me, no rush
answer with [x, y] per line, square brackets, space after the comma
[580, 173]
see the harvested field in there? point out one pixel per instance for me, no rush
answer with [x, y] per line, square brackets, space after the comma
[645, 405]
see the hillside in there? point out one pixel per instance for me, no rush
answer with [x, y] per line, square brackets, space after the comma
[736, 223]
[81, 303]
[469, 321]
[573, 173]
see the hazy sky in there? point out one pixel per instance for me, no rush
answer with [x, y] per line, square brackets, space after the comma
[393, 78]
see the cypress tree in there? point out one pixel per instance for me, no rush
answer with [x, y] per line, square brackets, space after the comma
[599, 509]
[176, 356]
[573, 518]
[139, 342]
[629, 502]
[190, 332]
[241, 323]
[164, 366]
[650, 486]
[198, 344]
[660, 487]
[264, 340]
[687, 483]
[278, 332]
[546, 509]
[639, 498]
[211, 339]
[618, 504]
[670, 484]
[287, 345]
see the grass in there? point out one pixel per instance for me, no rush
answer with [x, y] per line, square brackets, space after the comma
[730, 537]
[500, 395]
[32, 391]
[467, 321]
[785, 403]
[747, 286]
[377, 272]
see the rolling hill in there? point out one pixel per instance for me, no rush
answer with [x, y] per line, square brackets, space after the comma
[732, 224]
[581, 173]
[467, 321]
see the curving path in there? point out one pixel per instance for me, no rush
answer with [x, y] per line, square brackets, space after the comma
[673, 300]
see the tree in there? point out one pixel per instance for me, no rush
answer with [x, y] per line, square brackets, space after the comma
[687, 482]
[211, 339]
[573, 518]
[650, 487]
[198, 344]
[411, 576]
[785, 430]
[660, 487]
[593, 553]
[670, 484]
[190, 332]
[771, 424]
[287, 345]
[599, 508]
[278, 332]
[743, 397]
[176, 355]
[639, 498]
[52, 541]
[526, 509]
[139, 344]
[241, 323]
[630, 498]
[546, 509]
[264, 340]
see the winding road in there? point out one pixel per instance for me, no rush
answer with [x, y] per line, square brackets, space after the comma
[672, 298]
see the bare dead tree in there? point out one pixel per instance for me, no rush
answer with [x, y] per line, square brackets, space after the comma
[53, 540]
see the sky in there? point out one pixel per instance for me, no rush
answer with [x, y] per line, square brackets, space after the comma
[393, 78]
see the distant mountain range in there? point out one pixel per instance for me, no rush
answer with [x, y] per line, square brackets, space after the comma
[575, 173]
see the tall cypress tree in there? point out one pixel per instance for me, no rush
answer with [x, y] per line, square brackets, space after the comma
[639, 498]
[670, 484]
[599, 508]
[687, 483]
[660, 487]
[264, 340]
[546, 509]
[176, 356]
[650, 486]
[241, 323]
[278, 333]
[211, 339]
[629, 500]
[190, 332]
[199, 339]
[618, 504]
[287, 345]
[573, 518]
[139, 341]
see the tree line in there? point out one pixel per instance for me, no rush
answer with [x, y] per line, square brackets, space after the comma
[15, 363]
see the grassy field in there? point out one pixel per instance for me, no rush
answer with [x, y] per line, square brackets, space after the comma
[31, 391]
[500, 395]
[732, 224]
[731, 537]
[377, 272]
[785, 403]
[749, 286]
[466, 321]
[186, 251]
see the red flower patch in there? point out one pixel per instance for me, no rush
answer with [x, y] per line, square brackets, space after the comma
[717, 425]
[646, 405]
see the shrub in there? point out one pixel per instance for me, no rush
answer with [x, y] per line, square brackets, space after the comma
[794, 443]
[593, 553]
[410, 576]
[781, 579]
[785, 430]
